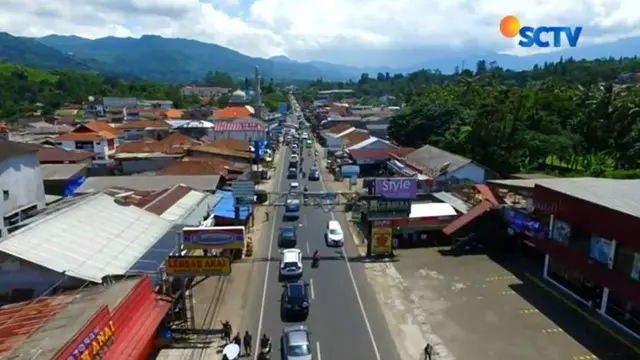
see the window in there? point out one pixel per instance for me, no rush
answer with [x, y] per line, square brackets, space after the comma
[58, 144]
[98, 142]
[5, 195]
[626, 263]
[99, 157]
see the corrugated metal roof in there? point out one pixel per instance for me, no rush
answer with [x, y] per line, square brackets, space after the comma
[89, 240]
[61, 171]
[453, 200]
[463, 220]
[183, 207]
[149, 182]
[367, 142]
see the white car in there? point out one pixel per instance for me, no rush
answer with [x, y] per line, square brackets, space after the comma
[294, 158]
[305, 136]
[294, 186]
[291, 263]
[334, 234]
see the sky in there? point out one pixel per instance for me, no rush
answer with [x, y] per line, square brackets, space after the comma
[351, 32]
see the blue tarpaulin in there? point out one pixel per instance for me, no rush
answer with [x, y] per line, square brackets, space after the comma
[225, 207]
[72, 185]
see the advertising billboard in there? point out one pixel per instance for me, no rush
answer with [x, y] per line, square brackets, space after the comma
[93, 341]
[382, 240]
[217, 237]
[190, 265]
[396, 188]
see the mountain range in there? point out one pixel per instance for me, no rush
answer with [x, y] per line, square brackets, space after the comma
[155, 58]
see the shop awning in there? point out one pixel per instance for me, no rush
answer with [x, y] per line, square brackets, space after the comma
[225, 207]
[463, 220]
[137, 318]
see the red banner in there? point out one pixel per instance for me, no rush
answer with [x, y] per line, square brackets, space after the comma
[92, 342]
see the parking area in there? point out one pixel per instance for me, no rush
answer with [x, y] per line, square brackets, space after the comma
[482, 311]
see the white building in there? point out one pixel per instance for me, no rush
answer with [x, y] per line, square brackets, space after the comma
[21, 183]
[97, 137]
[114, 103]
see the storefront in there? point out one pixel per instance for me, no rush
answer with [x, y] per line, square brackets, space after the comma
[591, 254]
[128, 332]
[424, 225]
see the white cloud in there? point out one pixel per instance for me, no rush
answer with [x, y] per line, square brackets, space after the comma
[343, 30]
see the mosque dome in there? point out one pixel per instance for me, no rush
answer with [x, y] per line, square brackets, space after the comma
[238, 96]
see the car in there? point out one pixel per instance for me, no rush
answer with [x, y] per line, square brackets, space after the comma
[288, 237]
[296, 343]
[292, 209]
[334, 234]
[295, 300]
[314, 174]
[294, 187]
[291, 263]
[292, 173]
[294, 158]
[294, 148]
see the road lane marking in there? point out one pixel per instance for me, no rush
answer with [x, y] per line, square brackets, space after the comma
[355, 287]
[554, 330]
[313, 293]
[307, 244]
[507, 293]
[318, 350]
[496, 278]
[278, 180]
[585, 357]
[529, 311]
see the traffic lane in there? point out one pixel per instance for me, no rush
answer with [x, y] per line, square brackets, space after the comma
[336, 321]
[265, 315]
[335, 293]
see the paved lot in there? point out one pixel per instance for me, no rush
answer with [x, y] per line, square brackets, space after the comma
[474, 308]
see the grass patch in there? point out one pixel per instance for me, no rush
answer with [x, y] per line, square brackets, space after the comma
[33, 74]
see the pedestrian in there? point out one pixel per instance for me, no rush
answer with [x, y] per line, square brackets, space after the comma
[237, 340]
[247, 343]
[428, 352]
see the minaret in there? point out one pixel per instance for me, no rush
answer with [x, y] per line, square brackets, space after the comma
[258, 93]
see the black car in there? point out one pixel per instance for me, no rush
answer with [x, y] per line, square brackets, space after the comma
[295, 299]
[288, 237]
[314, 174]
[292, 174]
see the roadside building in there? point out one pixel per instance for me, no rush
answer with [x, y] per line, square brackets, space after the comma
[208, 150]
[424, 225]
[55, 155]
[154, 129]
[118, 103]
[233, 112]
[96, 137]
[149, 155]
[126, 316]
[242, 129]
[21, 182]
[61, 179]
[201, 183]
[195, 129]
[373, 162]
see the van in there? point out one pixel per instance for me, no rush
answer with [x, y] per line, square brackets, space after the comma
[334, 234]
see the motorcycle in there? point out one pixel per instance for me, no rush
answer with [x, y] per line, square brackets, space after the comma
[266, 350]
[315, 262]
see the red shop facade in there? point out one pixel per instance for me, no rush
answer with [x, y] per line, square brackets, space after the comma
[593, 253]
[127, 332]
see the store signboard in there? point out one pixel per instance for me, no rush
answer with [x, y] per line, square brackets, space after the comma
[561, 232]
[602, 250]
[396, 188]
[217, 237]
[93, 342]
[389, 209]
[190, 265]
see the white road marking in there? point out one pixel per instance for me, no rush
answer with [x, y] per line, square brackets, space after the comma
[313, 293]
[355, 287]
[278, 179]
[307, 243]
[318, 350]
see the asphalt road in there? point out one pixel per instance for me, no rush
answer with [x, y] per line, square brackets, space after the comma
[345, 319]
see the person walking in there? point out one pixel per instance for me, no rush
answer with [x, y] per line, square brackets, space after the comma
[237, 340]
[246, 340]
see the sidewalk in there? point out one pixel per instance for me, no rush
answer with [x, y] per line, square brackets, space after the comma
[223, 298]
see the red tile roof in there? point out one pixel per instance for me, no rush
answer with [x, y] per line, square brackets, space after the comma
[92, 131]
[354, 137]
[220, 126]
[338, 129]
[208, 149]
[48, 155]
[471, 215]
[232, 112]
[193, 168]
[18, 322]
[364, 154]
[175, 143]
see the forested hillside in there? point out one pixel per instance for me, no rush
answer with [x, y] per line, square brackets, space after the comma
[569, 117]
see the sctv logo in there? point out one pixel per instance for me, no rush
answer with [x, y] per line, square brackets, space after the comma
[542, 36]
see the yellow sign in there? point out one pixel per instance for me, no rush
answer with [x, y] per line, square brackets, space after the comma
[381, 240]
[197, 265]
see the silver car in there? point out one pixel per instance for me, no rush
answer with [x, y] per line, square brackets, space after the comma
[296, 344]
